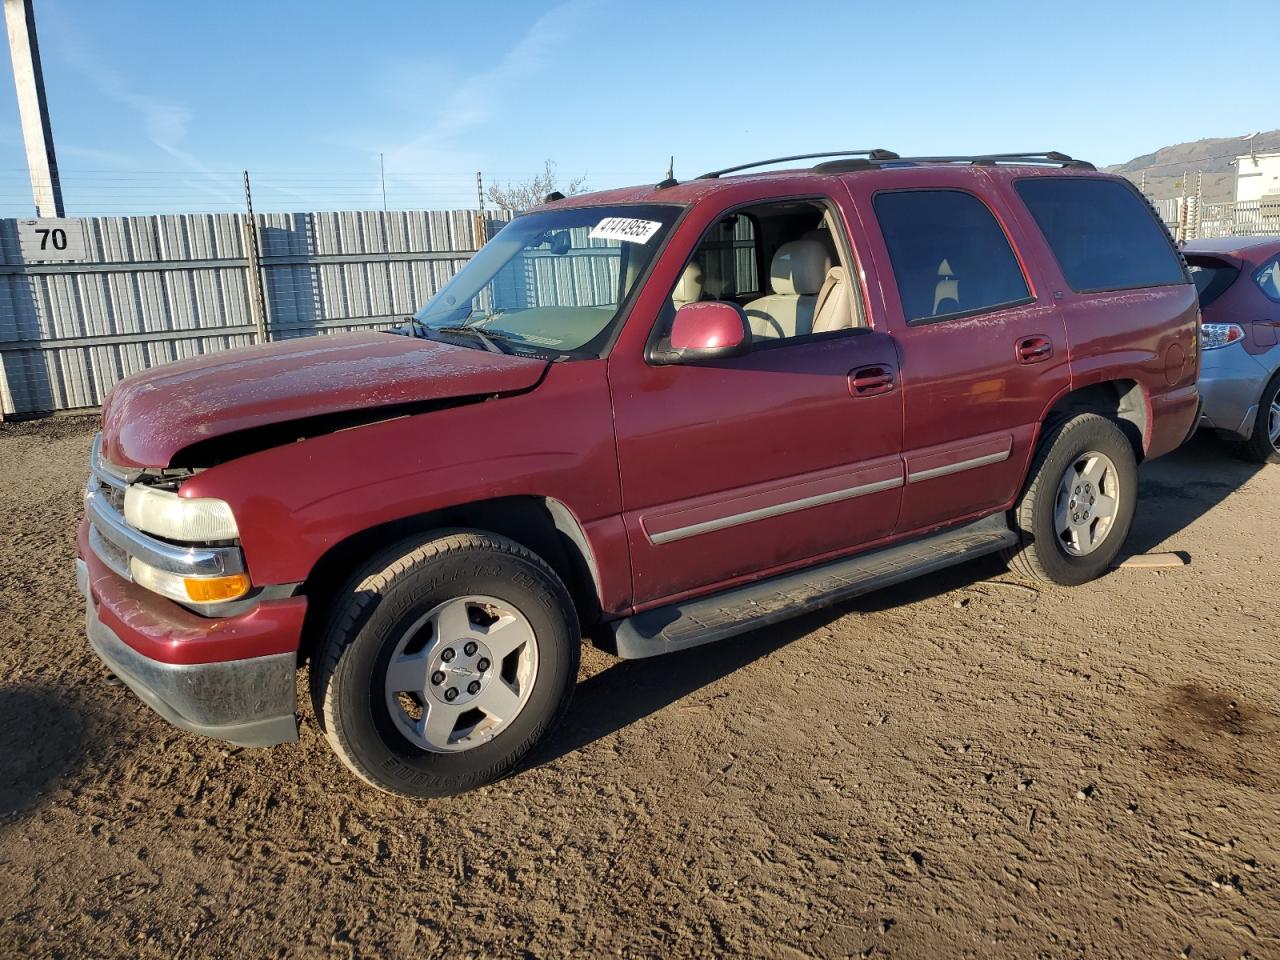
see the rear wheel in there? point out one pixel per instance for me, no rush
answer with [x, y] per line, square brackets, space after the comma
[444, 663]
[1263, 445]
[1079, 502]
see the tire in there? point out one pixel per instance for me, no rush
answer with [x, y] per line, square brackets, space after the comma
[1102, 464]
[391, 629]
[1263, 445]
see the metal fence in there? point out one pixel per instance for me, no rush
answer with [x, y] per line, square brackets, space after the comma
[161, 288]
[1189, 218]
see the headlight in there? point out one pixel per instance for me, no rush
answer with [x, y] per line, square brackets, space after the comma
[188, 589]
[185, 519]
[1215, 335]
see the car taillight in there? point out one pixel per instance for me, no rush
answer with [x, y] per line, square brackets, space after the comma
[1216, 335]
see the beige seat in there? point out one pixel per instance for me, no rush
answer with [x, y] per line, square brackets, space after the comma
[831, 312]
[946, 293]
[689, 287]
[797, 275]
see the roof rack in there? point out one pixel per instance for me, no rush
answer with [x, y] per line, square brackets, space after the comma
[1048, 157]
[876, 154]
[866, 159]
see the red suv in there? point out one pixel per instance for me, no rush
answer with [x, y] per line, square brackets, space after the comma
[654, 417]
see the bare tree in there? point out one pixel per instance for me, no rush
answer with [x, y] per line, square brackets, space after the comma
[529, 193]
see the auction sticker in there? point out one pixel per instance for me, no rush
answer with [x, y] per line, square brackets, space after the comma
[625, 228]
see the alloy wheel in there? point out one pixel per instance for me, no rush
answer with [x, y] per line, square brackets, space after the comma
[1087, 502]
[461, 674]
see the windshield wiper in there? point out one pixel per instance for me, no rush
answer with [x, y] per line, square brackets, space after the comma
[489, 342]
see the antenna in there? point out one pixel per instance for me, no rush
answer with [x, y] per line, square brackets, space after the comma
[671, 180]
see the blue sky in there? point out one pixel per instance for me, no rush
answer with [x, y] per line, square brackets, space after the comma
[158, 105]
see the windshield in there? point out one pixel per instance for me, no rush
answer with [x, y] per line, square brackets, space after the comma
[550, 283]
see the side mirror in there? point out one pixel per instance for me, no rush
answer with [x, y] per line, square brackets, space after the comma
[708, 330]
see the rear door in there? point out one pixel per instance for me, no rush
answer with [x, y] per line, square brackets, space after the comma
[983, 350]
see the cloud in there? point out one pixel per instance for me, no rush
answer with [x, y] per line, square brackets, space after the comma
[476, 99]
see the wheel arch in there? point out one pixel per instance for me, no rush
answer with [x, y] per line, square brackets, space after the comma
[543, 525]
[1122, 400]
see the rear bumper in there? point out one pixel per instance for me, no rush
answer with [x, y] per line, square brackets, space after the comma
[1230, 383]
[1173, 417]
[246, 700]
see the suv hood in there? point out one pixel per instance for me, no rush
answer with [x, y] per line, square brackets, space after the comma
[152, 416]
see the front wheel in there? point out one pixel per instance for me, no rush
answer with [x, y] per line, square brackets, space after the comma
[1078, 505]
[445, 661]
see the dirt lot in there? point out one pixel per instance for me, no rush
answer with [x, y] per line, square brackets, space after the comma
[965, 766]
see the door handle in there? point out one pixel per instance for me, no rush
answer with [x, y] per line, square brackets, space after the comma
[1034, 349]
[870, 381]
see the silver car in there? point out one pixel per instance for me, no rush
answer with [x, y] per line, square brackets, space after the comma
[1239, 283]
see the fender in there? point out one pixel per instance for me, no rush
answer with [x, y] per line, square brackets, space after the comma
[294, 502]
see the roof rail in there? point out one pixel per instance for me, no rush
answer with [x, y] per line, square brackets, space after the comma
[1048, 157]
[876, 154]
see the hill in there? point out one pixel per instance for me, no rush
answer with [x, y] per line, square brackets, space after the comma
[1213, 156]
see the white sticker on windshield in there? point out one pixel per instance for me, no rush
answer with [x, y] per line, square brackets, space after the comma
[625, 228]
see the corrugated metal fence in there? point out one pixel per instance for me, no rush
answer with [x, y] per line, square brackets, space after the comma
[161, 288]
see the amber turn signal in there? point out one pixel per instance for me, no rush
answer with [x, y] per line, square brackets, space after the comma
[216, 589]
[189, 589]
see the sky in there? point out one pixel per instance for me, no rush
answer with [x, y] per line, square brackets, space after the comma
[159, 106]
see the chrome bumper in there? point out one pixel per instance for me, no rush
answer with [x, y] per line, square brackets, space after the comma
[250, 703]
[115, 542]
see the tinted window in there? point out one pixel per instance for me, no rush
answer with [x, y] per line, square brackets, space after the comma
[949, 254]
[1211, 277]
[1102, 232]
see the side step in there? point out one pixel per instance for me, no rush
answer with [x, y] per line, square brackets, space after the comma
[707, 619]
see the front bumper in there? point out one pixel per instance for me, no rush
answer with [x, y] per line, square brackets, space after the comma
[249, 702]
[1230, 383]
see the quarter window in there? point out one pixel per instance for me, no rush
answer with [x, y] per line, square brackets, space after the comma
[1103, 233]
[1268, 278]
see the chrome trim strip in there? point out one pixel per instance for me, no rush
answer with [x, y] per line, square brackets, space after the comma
[185, 561]
[763, 513]
[100, 469]
[115, 559]
[957, 467]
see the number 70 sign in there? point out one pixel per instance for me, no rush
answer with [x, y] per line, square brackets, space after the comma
[52, 239]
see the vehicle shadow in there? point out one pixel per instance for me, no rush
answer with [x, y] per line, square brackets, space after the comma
[42, 738]
[1174, 492]
[1178, 489]
[630, 690]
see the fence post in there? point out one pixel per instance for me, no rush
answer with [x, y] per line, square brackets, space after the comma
[6, 397]
[253, 258]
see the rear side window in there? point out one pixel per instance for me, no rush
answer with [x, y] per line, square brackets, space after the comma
[1212, 277]
[1268, 278]
[1102, 233]
[950, 256]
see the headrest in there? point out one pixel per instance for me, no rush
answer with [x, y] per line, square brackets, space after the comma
[823, 236]
[689, 287]
[799, 267]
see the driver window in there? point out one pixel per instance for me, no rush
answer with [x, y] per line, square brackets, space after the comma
[781, 263]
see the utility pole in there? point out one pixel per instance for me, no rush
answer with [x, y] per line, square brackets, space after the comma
[253, 261]
[482, 223]
[20, 20]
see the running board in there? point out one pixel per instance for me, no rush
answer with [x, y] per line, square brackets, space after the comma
[707, 619]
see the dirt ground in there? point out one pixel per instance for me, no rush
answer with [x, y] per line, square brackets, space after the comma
[964, 766]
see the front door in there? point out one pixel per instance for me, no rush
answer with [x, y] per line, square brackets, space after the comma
[738, 467]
